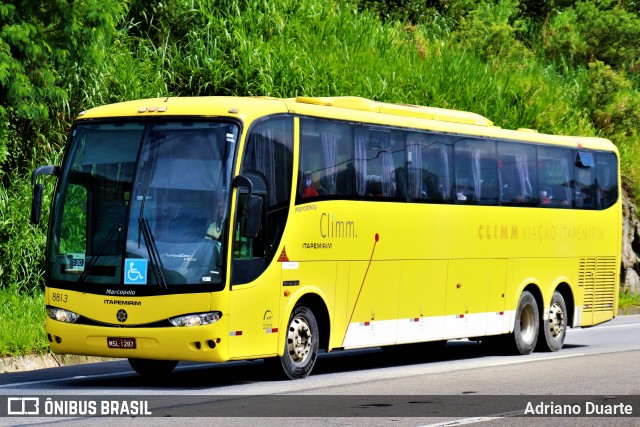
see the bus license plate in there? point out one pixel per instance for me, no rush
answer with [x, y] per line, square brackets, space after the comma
[121, 342]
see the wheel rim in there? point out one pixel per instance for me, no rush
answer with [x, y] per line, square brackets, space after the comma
[527, 324]
[299, 340]
[556, 321]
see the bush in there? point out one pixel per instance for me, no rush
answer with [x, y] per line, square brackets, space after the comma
[492, 30]
[21, 244]
[22, 318]
[594, 31]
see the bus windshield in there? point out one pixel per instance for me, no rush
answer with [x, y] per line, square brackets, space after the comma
[143, 204]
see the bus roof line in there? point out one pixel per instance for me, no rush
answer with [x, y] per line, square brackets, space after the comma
[405, 110]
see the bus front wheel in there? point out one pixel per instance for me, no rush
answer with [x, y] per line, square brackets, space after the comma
[527, 324]
[301, 343]
[555, 328]
[153, 368]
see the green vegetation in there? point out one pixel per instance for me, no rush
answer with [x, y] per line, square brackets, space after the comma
[559, 66]
[22, 322]
[629, 303]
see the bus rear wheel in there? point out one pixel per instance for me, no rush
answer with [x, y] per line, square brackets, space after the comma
[555, 328]
[527, 324]
[153, 368]
[301, 344]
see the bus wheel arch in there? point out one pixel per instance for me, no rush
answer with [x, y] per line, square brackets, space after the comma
[321, 313]
[567, 294]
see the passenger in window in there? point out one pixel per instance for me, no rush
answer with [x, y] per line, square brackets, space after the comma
[215, 228]
[561, 195]
[545, 199]
[464, 191]
[374, 186]
[309, 190]
[584, 198]
[317, 185]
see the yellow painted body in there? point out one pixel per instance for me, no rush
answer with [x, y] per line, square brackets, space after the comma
[386, 272]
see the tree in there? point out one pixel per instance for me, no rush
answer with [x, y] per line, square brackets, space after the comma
[43, 47]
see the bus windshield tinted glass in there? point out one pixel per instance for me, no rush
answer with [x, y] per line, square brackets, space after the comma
[143, 204]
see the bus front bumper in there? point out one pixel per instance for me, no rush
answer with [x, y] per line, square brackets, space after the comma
[205, 343]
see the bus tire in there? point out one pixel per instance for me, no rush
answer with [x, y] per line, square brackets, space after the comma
[301, 343]
[527, 324]
[153, 368]
[555, 328]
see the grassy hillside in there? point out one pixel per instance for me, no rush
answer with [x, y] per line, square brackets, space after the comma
[553, 68]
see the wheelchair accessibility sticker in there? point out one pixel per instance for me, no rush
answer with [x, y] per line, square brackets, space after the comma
[135, 271]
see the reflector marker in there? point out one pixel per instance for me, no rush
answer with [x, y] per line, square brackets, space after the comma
[271, 330]
[459, 316]
[365, 323]
[415, 319]
[235, 333]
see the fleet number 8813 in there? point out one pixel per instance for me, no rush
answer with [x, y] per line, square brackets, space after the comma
[59, 297]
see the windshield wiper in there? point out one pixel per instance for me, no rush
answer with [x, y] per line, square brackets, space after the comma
[152, 250]
[94, 259]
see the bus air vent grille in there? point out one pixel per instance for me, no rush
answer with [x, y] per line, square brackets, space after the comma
[598, 277]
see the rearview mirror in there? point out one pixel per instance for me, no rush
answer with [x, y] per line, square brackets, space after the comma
[36, 200]
[252, 217]
[36, 204]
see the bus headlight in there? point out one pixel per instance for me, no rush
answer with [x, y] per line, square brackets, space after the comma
[196, 319]
[62, 315]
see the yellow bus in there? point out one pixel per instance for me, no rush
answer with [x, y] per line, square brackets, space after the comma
[227, 228]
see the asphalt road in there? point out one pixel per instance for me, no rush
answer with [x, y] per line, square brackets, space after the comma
[463, 383]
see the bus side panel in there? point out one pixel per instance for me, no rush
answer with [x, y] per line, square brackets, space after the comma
[254, 314]
[421, 300]
[341, 310]
[547, 274]
[372, 304]
[475, 298]
[320, 278]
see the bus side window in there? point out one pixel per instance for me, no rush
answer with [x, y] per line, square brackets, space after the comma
[489, 186]
[326, 163]
[429, 167]
[555, 177]
[269, 153]
[517, 173]
[607, 179]
[464, 185]
[476, 172]
[242, 246]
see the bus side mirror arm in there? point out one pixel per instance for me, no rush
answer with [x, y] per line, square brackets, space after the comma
[36, 200]
[243, 181]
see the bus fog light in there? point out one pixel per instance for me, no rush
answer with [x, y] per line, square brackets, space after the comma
[196, 319]
[62, 315]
